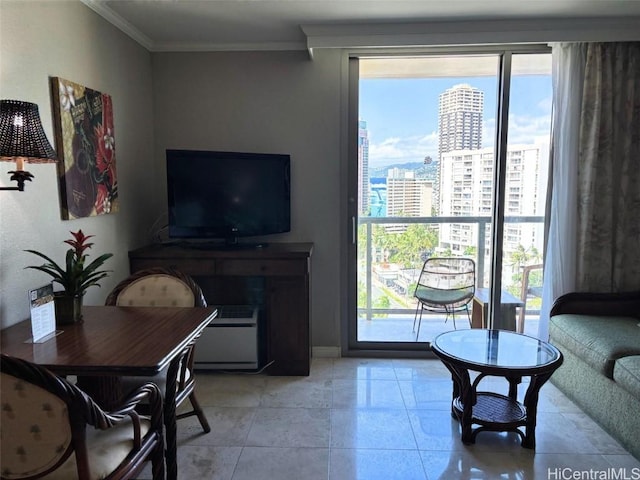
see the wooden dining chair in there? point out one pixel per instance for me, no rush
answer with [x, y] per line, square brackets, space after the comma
[51, 429]
[164, 287]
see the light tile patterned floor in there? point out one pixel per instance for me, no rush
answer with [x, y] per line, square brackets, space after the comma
[370, 419]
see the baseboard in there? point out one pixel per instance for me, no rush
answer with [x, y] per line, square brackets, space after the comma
[325, 352]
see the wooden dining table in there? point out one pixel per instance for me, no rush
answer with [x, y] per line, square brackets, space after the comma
[112, 342]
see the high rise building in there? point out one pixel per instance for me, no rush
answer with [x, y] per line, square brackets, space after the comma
[363, 168]
[460, 119]
[460, 110]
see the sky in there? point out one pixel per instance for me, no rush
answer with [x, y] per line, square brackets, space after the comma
[402, 114]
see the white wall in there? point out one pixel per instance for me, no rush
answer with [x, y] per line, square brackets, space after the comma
[39, 39]
[274, 102]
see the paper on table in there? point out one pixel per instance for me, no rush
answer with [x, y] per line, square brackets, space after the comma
[43, 314]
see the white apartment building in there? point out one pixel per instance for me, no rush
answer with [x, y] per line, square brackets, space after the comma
[467, 189]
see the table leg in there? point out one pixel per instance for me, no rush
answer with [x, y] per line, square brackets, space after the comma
[513, 387]
[106, 391]
[467, 397]
[531, 405]
[171, 451]
[464, 393]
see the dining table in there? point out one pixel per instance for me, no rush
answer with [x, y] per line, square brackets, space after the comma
[111, 342]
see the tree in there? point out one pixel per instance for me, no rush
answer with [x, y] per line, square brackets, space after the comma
[412, 243]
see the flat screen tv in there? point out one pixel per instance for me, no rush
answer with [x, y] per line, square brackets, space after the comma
[227, 195]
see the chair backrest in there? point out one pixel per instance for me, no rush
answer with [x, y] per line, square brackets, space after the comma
[43, 421]
[444, 273]
[157, 287]
[43, 427]
[446, 281]
[35, 431]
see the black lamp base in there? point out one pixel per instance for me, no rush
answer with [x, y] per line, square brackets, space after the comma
[20, 176]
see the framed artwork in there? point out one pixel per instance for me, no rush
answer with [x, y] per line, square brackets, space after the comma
[85, 141]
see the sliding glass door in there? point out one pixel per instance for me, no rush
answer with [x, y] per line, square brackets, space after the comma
[451, 161]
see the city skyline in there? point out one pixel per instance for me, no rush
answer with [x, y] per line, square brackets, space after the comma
[402, 114]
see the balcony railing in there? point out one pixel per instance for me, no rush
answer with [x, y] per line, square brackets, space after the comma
[481, 252]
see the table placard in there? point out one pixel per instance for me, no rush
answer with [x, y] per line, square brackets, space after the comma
[43, 313]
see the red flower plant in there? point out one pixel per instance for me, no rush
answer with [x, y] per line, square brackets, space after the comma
[75, 278]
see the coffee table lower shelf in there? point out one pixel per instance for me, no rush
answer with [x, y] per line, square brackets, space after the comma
[493, 412]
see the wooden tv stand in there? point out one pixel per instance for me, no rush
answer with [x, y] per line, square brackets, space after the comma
[275, 277]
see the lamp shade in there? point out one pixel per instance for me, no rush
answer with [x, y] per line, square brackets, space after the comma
[22, 135]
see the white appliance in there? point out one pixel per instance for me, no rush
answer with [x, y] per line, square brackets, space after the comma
[230, 341]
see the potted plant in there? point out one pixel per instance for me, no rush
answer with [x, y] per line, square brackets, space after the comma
[75, 277]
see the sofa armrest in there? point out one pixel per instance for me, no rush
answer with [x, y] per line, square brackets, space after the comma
[589, 303]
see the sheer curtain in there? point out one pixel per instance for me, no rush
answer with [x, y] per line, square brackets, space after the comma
[568, 62]
[594, 234]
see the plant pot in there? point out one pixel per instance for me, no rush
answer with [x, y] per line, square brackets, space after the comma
[68, 308]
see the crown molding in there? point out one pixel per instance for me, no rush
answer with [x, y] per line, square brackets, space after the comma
[226, 47]
[119, 22]
[104, 11]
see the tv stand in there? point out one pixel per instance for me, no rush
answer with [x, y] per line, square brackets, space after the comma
[276, 279]
[223, 246]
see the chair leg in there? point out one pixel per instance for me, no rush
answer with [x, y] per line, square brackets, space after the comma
[157, 461]
[419, 321]
[198, 411]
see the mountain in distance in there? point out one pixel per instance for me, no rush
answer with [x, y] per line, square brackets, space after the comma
[421, 169]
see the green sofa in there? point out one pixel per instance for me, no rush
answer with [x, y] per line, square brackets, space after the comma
[599, 336]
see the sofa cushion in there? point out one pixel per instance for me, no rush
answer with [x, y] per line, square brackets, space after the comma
[626, 373]
[598, 340]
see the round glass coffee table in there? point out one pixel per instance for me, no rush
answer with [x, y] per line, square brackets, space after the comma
[496, 353]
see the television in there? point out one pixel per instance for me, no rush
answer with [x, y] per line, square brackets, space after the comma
[227, 195]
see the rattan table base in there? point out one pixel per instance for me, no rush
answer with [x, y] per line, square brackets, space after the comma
[493, 412]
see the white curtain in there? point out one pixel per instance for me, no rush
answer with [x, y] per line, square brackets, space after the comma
[568, 62]
[593, 228]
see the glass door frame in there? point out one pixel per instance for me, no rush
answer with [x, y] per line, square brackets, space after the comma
[350, 344]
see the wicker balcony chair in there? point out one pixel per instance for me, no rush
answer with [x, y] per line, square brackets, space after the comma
[51, 429]
[164, 287]
[446, 285]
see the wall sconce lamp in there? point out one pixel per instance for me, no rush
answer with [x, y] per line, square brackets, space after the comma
[22, 139]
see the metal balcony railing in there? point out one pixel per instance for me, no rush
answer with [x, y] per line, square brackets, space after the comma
[481, 246]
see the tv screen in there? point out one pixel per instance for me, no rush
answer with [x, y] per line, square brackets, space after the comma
[226, 195]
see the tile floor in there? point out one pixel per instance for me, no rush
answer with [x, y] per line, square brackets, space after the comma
[370, 419]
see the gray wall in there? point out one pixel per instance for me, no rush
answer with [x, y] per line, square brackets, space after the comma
[39, 39]
[275, 102]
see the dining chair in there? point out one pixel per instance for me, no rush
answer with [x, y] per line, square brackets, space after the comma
[51, 429]
[446, 285]
[165, 287]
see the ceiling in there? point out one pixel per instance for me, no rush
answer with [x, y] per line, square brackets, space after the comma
[183, 25]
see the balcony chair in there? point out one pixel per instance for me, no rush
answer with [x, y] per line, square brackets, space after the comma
[44, 434]
[164, 287]
[446, 285]
[528, 290]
